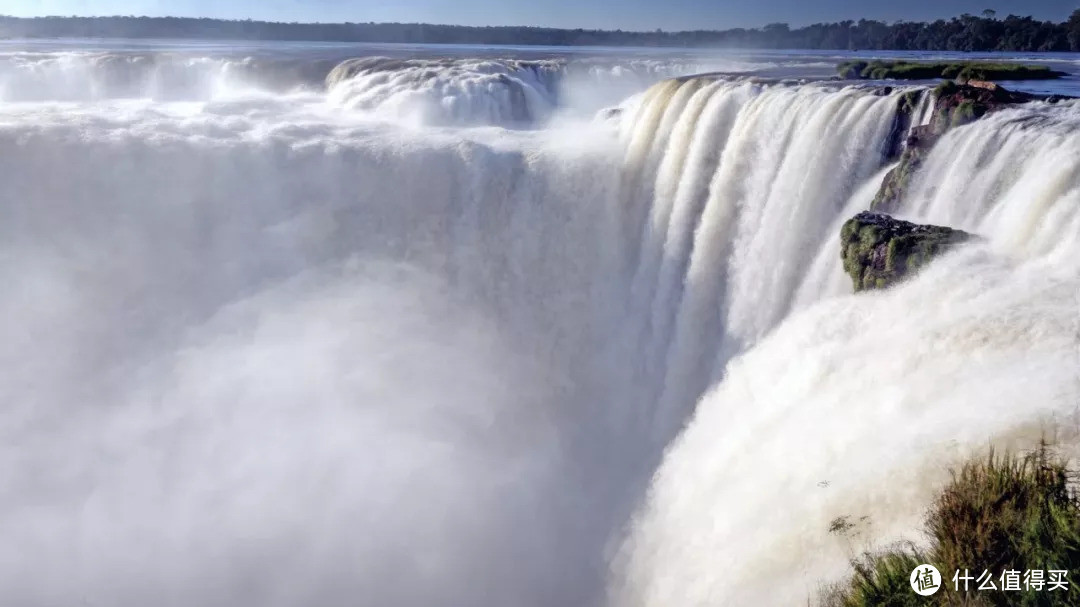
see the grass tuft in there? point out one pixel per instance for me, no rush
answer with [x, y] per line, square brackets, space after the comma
[1002, 513]
[1008, 513]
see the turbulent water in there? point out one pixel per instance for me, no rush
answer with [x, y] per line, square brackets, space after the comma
[328, 332]
[466, 86]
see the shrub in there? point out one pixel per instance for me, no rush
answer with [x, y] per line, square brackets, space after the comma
[880, 579]
[909, 102]
[945, 88]
[851, 69]
[999, 514]
[965, 113]
[1008, 513]
[970, 73]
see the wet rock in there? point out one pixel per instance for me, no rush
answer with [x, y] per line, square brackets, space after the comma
[984, 84]
[880, 251]
[959, 104]
[611, 113]
[954, 105]
[905, 113]
[916, 147]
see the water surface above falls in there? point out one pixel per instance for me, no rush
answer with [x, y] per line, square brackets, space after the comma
[286, 65]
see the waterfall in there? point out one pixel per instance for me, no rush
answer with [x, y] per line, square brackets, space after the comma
[750, 183]
[86, 76]
[357, 344]
[447, 91]
[855, 409]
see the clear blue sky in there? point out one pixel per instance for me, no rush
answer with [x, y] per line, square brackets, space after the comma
[606, 14]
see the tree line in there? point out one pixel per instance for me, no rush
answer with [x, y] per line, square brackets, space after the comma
[986, 32]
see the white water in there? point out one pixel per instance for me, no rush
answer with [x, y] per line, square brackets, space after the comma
[451, 90]
[86, 76]
[276, 350]
[859, 407]
[492, 92]
[498, 91]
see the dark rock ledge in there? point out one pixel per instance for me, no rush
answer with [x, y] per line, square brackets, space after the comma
[880, 251]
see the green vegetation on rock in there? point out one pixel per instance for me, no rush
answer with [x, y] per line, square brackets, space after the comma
[880, 251]
[964, 113]
[963, 71]
[909, 102]
[999, 514]
[954, 105]
[945, 88]
[896, 181]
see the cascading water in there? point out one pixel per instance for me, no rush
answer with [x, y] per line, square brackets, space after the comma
[276, 350]
[732, 172]
[452, 90]
[855, 409]
[508, 92]
[80, 76]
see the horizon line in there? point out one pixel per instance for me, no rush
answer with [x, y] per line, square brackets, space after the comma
[539, 27]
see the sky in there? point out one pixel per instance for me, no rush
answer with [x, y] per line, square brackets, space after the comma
[602, 14]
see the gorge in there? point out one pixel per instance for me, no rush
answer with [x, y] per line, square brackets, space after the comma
[457, 328]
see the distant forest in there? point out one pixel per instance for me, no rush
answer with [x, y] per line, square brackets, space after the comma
[986, 32]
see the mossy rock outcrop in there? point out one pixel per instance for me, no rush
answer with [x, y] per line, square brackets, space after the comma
[880, 251]
[906, 108]
[954, 105]
[916, 147]
[962, 102]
